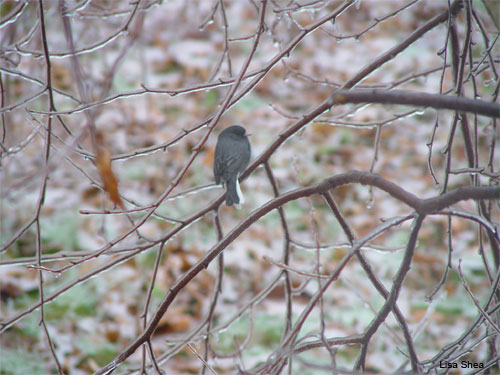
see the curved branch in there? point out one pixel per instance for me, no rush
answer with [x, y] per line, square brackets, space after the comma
[13, 15]
[419, 99]
[396, 50]
[422, 206]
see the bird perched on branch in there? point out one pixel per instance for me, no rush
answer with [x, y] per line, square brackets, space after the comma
[232, 154]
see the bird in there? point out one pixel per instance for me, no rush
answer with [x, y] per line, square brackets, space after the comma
[231, 158]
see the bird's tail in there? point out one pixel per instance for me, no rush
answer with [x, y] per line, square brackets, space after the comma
[233, 192]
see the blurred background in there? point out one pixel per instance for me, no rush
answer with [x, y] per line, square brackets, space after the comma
[149, 77]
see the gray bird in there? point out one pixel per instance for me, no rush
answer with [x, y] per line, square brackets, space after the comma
[232, 155]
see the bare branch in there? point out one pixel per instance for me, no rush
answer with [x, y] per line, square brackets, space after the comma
[436, 101]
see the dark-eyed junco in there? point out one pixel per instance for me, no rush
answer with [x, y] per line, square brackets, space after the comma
[232, 154]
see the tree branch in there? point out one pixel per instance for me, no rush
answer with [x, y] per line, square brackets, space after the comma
[418, 99]
[422, 206]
